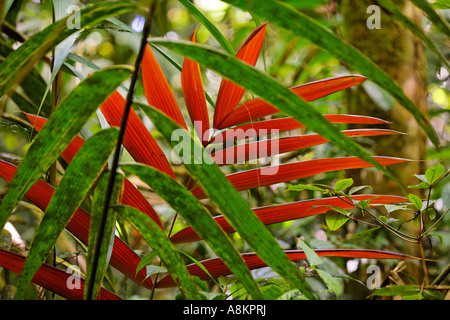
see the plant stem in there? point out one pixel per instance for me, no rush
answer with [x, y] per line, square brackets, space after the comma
[115, 163]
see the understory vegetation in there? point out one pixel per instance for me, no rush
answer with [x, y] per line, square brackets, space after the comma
[224, 150]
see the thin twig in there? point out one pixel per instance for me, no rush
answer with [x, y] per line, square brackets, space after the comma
[116, 157]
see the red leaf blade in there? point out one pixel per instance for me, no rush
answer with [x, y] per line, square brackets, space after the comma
[258, 108]
[137, 140]
[157, 89]
[230, 93]
[254, 129]
[259, 177]
[290, 211]
[51, 278]
[217, 268]
[194, 96]
[267, 148]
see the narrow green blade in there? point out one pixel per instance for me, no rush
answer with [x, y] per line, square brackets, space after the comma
[75, 184]
[209, 25]
[64, 124]
[96, 276]
[199, 218]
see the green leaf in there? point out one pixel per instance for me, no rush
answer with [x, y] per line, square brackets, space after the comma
[392, 207]
[366, 232]
[415, 200]
[145, 260]
[335, 220]
[395, 290]
[209, 25]
[301, 187]
[287, 17]
[330, 281]
[358, 188]
[64, 124]
[198, 217]
[75, 184]
[434, 173]
[165, 249]
[19, 63]
[208, 175]
[271, 91]
[94, 277]
[422, 185]
[343, 184]
[312, 257]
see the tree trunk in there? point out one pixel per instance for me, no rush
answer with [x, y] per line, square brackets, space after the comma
[398, 52]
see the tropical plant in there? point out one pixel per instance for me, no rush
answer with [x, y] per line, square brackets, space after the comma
[98, 204]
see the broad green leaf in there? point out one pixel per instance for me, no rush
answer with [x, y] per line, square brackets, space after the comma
[198, 217]
[289, 18]
[434, 173]
[166, 251]
[64, 124]
[18, 63]
[335, 220]
[415, 200]
[330, 281]
[95, 274]
[271, 91]
[222, 193]
[209, 25]
[312, 257]
[343, 184]
[79, 177]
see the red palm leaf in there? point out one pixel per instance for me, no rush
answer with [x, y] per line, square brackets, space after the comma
[194, 96]
[217, 268]
[254, 129]
[131, 195]
[229, 93]
[267, 148]
[157, 90]
[123, 258]
[51, 278]
[258, 108]
[259, 177]
[291, 211]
